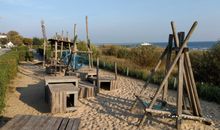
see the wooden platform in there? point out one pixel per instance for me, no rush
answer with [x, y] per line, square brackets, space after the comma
[30, 122]
[85, 73]
[65, 79]
[86, 89]
[61, 97]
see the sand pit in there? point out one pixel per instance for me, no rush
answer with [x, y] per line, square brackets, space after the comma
[109, 110]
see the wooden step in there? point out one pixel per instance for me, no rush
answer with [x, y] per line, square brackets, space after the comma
[86, 89]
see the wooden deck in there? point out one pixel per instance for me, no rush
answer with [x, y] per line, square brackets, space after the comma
[30, 122]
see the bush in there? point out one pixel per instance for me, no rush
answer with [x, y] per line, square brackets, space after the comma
[206, 65]
[8, 70]
[209, 92]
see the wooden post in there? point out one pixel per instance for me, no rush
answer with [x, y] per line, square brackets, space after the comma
[74, 47]
[116, 71]
[88, 41]
[97, 71]
[61, 49]
[55, 55]
[45, 41]
[74, 32]
[127, 71]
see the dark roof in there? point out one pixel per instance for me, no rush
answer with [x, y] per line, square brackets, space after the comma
[52, 41]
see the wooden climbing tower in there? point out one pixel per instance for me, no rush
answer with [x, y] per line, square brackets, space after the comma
[187, 104]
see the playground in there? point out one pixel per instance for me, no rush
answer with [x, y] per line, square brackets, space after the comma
[109, 110]
[68, 90]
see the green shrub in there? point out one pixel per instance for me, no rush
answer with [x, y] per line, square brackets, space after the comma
[209, 92]
[8, 70]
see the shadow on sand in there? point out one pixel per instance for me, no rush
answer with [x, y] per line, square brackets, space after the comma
[33, 96]
[119, 108]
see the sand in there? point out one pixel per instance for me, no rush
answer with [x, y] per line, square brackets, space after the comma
[108, 111]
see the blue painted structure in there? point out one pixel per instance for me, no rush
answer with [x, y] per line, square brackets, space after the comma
[77, 61]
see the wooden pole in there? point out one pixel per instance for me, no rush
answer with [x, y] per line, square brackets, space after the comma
[88, 41]
[180, 91]
[74, 34]
[97, 71]
[74, 47]
[173, 64]
[55, 55]
[61, 49]
[193, 84]
[116, 72]
[176, 39]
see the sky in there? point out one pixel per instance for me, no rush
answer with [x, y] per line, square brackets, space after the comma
[113, 21]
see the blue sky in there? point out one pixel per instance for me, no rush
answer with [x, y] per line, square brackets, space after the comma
[112, 20]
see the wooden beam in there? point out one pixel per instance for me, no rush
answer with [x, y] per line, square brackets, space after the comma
[193, 84]
[176, 39]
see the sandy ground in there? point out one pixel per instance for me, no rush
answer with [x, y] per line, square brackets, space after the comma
[109, 110]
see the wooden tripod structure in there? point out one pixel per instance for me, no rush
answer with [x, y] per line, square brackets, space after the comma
[187, 104]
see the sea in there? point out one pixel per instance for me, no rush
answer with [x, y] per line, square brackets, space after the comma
[196, 45]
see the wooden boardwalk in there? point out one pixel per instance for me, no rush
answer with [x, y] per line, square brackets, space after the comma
[30, 122]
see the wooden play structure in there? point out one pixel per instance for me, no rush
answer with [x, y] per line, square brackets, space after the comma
[31, 122]
[61, 93]
[104, 82]
[187, 104]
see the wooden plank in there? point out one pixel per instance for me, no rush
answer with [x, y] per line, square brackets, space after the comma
[21, 122]
[9, 124]
[30, 123]
[76, 124]
[57, 123]
[51, 123]
[43, 120]
[65, 79]
[70, 125]
[64, 124]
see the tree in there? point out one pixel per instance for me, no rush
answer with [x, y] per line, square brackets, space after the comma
[37, 41]
[15, 37]
[27, 41]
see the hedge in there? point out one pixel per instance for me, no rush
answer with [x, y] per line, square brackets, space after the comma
[8, 69]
